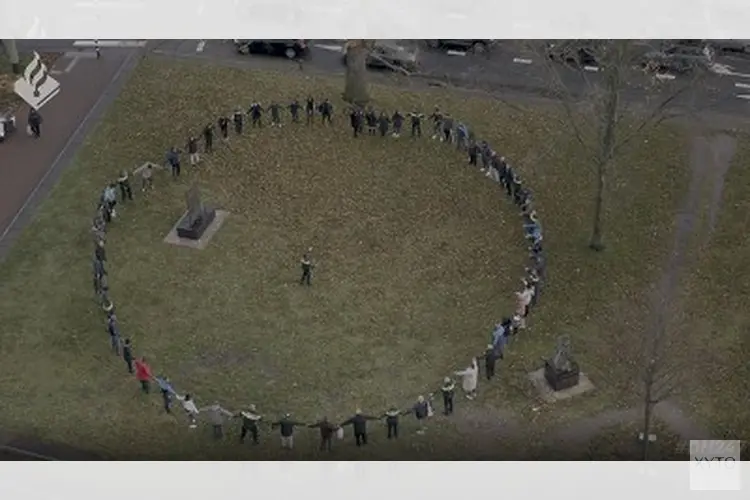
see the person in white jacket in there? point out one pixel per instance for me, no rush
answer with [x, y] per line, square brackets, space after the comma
[469, 379]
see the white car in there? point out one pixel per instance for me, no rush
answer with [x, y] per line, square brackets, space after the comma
[7, 125]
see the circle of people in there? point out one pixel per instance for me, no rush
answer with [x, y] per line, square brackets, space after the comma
[444, 129]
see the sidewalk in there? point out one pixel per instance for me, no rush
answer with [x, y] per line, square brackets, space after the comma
[29, 168]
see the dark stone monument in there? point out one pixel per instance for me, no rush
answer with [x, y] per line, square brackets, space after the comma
[198, 216]
[562, 372]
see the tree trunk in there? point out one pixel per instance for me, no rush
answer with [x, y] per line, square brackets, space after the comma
[608, 143]
[12, 51]
[356, 89]
[649, 408]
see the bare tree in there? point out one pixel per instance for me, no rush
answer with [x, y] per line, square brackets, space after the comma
[356, 88]
[601, 120]
[12, 52]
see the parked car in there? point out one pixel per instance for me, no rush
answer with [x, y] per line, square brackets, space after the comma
[291, 49]
[732, 46]
[679, 58]
[7, 124]
[476, 46]
[572, 54]
[387, 54]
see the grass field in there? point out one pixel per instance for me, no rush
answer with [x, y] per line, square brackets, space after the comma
[439, 258]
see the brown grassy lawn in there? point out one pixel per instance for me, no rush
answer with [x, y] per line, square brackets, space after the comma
[439, 258]
[621, 443]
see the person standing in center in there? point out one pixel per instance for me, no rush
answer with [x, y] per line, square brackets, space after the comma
[250, 420]
[359, 423]
[126, 192]
[143, 374]
[391, 421]
[327, 430]
[307, 267]
[208, 137]
[127, 354]
[310, 110]
[192, 148]
[217, 415]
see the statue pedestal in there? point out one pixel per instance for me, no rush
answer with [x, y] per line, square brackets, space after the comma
[192, 226]
[559, 380]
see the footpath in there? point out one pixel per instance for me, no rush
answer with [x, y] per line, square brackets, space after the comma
[29, 169]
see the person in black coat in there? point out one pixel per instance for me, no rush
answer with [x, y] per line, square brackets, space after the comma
[286, 426]
[491, 355]
[355, 120]
[224, 127]
[127, 354]
[35, 123]
[359, 423]
[294, 108]
[239, 121]
[448, 389]
[398, 121]
[391, 421]
[208, 137]
[327, 430]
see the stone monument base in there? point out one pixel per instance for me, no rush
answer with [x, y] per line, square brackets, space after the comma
[550, 395]
[559, 380]
[206, 233]
[192, 228]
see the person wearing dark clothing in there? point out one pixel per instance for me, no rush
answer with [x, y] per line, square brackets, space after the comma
[100, 253]
[127, 354]
[416, 123]
[310, 110]
[447, 124]
[256, 114]
[125, 192]
[192, 149]
[359, 423]
[224, 127]
[35, 123]
[167, 392]
[473, 153]
[326, 112]
[391, 422]
[239, 121]
[307, 267]
[509, 175]
[355, 120]
[250, 421]
[114, 334]
[143, 374]
[437, 122]
[208, 138]
[421, 411]
[327, 430]
[99, 271]
[372, 121]
[448, 390]
[383, 124]
[398, 121]
[490, 359]
[275, 114]
[173, 159]
[286, 425]
[294, 110]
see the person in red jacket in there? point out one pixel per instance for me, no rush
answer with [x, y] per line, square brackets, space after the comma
[143, 374]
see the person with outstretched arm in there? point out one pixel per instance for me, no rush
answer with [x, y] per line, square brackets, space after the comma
[327, 430]
[286, 427]
[359, 423]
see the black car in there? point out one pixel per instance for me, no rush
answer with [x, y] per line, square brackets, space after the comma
[476, 46]
[573, 55]
[291, 49]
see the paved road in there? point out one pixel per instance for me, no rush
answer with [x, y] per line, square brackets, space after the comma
[507, 67]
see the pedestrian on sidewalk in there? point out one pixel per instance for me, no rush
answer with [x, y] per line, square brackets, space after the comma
[143, 374]
[327, 430]
[217, 415]
[250, 421]
[124, 183]
[35, 123]
[359, 423]
[167, 392]
[286, 426]
[127, 355]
